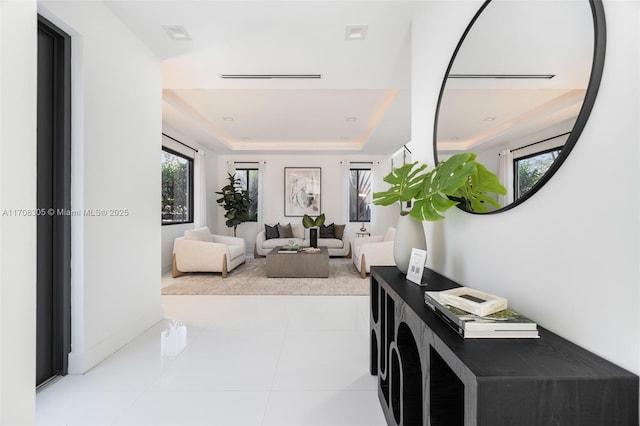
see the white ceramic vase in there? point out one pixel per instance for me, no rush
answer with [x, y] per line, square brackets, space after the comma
[409, 235]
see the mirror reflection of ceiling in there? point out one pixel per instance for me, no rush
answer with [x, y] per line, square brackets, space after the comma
[523, 38]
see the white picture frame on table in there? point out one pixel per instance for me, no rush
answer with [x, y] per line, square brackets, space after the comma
[416, 265]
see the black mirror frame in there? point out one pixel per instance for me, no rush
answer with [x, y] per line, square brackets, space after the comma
[597, 66]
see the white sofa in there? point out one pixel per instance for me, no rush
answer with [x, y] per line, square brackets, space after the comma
[373, 251]
[336, 246]
[200, 251]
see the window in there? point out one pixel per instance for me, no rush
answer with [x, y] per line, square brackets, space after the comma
[529, 169]
[360, 195]
[249, 182]
[177, 188]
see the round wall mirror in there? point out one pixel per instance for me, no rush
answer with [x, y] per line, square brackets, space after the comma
[519, 89]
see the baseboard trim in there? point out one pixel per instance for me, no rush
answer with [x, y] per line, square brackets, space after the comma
[81, 362]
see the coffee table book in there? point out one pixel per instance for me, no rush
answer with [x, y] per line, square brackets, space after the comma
[504, 324]
[473, 301]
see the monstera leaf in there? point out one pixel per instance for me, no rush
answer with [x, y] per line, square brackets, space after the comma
[309, 222]
[475, 191]
[460, 179]
[441, 183]
[405, 184]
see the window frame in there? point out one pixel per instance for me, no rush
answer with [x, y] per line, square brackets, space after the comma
[190, 197]
[358, 170]
[247, 170]
[516, 175]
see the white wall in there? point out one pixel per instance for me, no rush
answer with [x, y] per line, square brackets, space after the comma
[116, 120]
[567, 257]
[213, 210]
[18, 43]
[334, 201]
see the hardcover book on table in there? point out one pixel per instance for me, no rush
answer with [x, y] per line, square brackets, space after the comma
[503, 324]
[473, 301]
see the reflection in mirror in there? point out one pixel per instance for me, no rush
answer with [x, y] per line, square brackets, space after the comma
[519, 89]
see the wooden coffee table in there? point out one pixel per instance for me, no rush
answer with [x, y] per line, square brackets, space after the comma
[298, 265]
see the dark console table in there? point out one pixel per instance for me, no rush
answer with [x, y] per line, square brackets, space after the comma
[429, 375]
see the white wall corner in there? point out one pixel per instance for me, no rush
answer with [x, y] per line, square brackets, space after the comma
[82, 361]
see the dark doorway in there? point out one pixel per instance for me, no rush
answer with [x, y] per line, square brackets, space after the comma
[53, 332]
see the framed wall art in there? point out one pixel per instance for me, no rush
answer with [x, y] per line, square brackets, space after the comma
[302, 191]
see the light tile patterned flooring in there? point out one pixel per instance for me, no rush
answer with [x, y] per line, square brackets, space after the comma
[231, 360]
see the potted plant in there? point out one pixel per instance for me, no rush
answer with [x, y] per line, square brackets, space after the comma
[313, 224]
[236, 203]
[459, 180]
[309, 222]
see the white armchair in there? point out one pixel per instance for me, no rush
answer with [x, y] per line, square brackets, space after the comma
[373, 251]
[200, 251]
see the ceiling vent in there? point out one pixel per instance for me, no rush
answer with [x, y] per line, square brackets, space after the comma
[267, 76]
[505, 76]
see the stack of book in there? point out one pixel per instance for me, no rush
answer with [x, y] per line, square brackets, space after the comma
[504, 323]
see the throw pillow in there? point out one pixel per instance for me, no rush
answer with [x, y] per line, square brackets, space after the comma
[285, 231]
[199, 234]
[271, 231]
[339, 231]
[327, 231]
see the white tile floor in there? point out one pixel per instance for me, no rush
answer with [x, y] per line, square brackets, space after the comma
[231, 360]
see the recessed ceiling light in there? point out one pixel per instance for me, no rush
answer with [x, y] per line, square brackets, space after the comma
[228, 118]
[488, 119]
[177, 32]
[350, 119]
[355, 32]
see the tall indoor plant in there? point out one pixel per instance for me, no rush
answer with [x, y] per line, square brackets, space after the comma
[459, 180]
[236, 203]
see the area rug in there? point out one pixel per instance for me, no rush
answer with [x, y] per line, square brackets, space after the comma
[251, 278]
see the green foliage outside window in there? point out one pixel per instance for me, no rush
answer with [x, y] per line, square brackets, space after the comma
[531, 169]
[360, 195]
[247, 180]
[176, 184]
